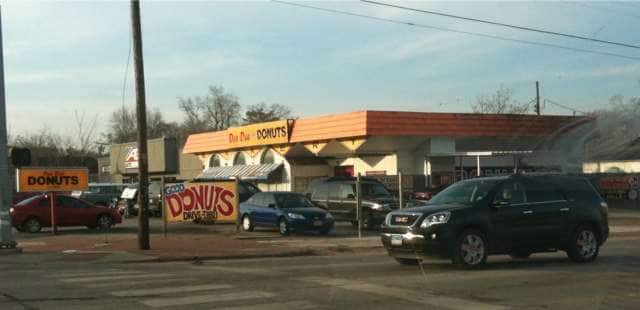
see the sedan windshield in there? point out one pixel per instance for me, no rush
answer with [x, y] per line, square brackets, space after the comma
[465, 192]
[287, 201]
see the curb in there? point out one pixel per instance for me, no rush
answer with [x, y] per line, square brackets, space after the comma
[195, 259]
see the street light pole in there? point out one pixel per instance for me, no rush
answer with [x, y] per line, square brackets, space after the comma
[141, 113]
[6, 236]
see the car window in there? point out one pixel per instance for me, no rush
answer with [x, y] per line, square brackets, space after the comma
[465, 192]
[44, 203]
[580, 190]
[321, 192]
[68, 202]
[374, 190]
[256, 200]
[29, 200]
[346, 191]
[334, 191]
[541, 191]
[268, 200]
[293, 201]
[510, 193]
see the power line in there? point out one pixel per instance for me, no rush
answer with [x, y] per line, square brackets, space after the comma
[563, 106]
[603, 9]
[573, 36]
[490, 36]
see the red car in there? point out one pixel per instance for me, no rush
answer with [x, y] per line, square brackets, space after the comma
[34, 213]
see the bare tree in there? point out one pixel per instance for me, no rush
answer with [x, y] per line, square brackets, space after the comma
[262, 112]
[85, 132]
[500, 102]
[123, 126]
[218, 110]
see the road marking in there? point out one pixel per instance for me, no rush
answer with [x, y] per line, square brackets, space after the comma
[167, 290]
[275, 270]
[131, 283]
[421, 298]
[298, 305]
[91, 274]
[113, 278]
[242, 270]
[202, 299]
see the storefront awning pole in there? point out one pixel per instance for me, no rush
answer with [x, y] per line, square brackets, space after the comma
[478, 165]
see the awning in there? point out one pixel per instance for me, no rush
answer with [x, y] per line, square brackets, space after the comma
[243, 172]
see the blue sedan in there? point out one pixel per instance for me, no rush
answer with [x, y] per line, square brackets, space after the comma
[290, 212]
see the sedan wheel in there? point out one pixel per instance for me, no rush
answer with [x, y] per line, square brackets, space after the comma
[470, 250]
[247, 225]
[283, 227]
[584, 245]
[104, 222]
[32, 225]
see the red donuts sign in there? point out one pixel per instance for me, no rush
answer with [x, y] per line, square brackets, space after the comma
[212, 201]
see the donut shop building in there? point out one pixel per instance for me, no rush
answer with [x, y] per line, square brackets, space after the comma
[429, 149]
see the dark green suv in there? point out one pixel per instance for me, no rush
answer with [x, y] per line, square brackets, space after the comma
[516, 215]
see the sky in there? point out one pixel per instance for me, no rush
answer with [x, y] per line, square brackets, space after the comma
[63, 58]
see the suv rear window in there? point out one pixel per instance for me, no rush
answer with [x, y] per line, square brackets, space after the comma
[580, 190]
[541, 190]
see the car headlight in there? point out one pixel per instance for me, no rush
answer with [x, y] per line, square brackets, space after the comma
[435, 219]
[329, 216]
[296, 216]
[379, 207]
[12, 210]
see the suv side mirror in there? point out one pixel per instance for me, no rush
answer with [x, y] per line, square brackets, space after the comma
[351, 196]
[271, 206]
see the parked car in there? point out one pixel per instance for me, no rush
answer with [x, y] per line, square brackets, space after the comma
[516, 215]
[34, 213]
[290, 212]
[155, 200]
[102, 194]
[338, 196]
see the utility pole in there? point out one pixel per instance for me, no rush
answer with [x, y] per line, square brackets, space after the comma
[6, 236]
[537, 98]
[141, 113]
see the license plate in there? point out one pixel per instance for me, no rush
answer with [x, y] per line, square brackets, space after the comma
[396, 240]
[317, 223]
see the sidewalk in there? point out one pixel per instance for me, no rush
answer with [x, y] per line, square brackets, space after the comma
[193, 242]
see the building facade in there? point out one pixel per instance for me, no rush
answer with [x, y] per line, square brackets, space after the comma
[429, 149]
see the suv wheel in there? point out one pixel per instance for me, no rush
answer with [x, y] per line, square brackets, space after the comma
[470, 249]
[583, 246]
[407, 261]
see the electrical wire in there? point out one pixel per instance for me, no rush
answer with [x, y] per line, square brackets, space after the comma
[484, 21]
[564, 106]
[478, 34]
[614, 11]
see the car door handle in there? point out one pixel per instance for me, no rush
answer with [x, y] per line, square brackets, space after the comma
[527, 212]
[564, 210]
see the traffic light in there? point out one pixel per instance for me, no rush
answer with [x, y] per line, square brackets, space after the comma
[20, 156]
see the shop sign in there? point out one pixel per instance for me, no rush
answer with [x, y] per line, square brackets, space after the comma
[53, 179]
[208, 201]
[131, 158]
[276, 132]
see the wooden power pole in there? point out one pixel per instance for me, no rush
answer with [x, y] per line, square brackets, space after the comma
[141, 115]
[537, 98]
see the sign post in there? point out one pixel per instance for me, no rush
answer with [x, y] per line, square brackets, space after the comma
[53, 180]
[52, 200]
[359, 205]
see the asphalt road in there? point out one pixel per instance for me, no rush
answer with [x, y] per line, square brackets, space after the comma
[350, 281]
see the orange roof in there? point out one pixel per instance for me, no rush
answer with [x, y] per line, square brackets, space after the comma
[386, 123]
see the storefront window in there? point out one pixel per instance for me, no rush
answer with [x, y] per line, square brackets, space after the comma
[268, 157]
[214, 161]
[240, 159]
